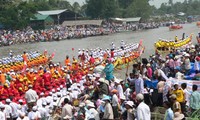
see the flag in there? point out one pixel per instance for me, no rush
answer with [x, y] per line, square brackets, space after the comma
[52, 55]
[45, 52]
[140, 43]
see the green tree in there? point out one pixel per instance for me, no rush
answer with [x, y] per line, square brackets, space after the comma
[139, 8]
[76, 7]
[102, 8]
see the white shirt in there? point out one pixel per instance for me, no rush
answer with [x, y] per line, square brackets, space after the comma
[7, 111]
[120, 91]
[196, 65]
[139, 85]
[40, 101]
[94, 114]
[34, 115]
[14, 109]
[143, 112]
[25, 118]
[179, 75]
[2, 116]
[115, 101]
[43, 112]
[187, 96]
[127, 93]
[31, 96]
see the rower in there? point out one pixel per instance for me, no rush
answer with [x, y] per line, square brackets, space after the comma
[176, 39]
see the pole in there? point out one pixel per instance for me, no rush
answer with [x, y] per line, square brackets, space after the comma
[126, 72]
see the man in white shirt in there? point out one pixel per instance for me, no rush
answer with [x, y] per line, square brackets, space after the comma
[139, 83]
[115, 103]
[142, 111]
[8, 109]
[119, 87]
[43, 111]
[92, 113]
[178, 74]
[67, 110]
[41, 100]
[14, 113]
[22, 116]
[31, 96]
[34, 114]
[2, 114]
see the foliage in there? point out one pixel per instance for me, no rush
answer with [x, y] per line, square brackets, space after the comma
[190, 7]
[16, 14]
[118, 8]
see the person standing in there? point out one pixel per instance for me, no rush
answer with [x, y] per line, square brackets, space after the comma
[2, 114]
[180, 96]
[187, 64]
[8, 110]
[142, 111]
[139, 83]
[169, 115]
[160, 87]
[109, 68]
[31, 96]
[115, 103]
[130, 111]
[108, 111]
[186, 93]
[67, 110]
[195, 99]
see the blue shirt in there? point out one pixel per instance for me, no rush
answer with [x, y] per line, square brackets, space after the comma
[195, 100]
[169, 115]
[109, 71]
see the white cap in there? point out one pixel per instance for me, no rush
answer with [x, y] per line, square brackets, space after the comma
[44, 103]
[58, 89]
[41, 94]
[53, 91]
[8, 100]
[2, 106]
[55, 98]
[130, 103]
[20, 100]
[34, 108]
[139, 97]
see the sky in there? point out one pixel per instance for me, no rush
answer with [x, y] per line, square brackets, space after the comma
[157, 3]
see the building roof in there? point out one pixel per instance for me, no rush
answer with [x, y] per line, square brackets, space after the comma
[52, 12]
[117, 19]
[82, 22]
[137, 19]
[40, 17]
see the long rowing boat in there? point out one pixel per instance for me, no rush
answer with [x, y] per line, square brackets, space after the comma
[165, 46]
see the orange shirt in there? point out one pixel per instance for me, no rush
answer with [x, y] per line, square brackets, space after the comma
[67, 61]
[2, 79]
[25, 58]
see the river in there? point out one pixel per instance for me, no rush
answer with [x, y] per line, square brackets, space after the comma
[64, 47]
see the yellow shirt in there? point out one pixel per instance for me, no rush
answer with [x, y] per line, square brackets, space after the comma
[179, 95]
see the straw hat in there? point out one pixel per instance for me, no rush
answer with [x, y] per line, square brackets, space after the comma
[178, 116]
[173, 96]
[148, 65]
[91, 104]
